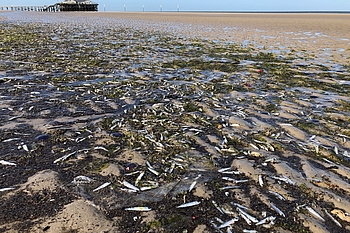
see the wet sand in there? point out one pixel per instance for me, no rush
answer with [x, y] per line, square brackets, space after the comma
[113, 121]
[316, 33]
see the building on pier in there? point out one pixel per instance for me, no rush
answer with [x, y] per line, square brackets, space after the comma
[77, 5]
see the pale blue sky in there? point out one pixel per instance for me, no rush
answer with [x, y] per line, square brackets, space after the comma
[206, 5]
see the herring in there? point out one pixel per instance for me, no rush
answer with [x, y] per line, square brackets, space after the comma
[228, 223]
[101, 186]
[314, 213]
[138, 208]
[3, 162]
[189, 204]
[277, 210]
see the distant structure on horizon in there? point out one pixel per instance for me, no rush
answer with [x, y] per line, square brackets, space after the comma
[66, 5]
[74, 5]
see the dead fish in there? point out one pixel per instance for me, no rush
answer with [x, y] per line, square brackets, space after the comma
[336, 150]
[3, 162]
[153, 171]
[277, 210]
[279, 196]
[284, 179]
[316, 148]
[217, 207]
[332, 218]
[228, 223]
[251, 218]
[192, 186]
[249, 231]
[138, 179]
[25, 147]
[266, 220]
[261, 182]
[215, 226]
[130, 186]
[147, 188]
[63, 158]
[11, 139]
[234, 180]
[102, 186]
[138, 208]
[289, 181]
[100, 148]
[241, 206]
[226, 171]
[132, 173]
[15, 117]
[6, 189]
[82, 180]
[314, 213]
[312, 137]
[219, 220]
[255, 147]
[189, 204]
[229, 187]
[128, 190]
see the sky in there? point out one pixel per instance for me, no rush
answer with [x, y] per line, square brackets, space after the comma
[203, 5]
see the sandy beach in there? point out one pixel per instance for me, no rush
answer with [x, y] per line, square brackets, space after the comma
[174, 122]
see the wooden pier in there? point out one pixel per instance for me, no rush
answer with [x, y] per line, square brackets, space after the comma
[23, 8]
[62, 6]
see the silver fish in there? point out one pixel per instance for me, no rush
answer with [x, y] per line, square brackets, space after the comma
[63, 158]
[265, 220]
[314, 213]
[138, 179]
[229, 187]
[333, 219]
[261, 182]
[251, 218]
[241, 206]
[128, 190]
[102, 186]
[228, 223]
[3, 162]
[130, 186]
[100, 148]
[217, 207]
[277, 210]
[82, 180]
[153, 171]
[25, 147]
[189, 204]
[192, 186]
[279, 196]
[131, 173]
[138, 208]
[11, 139]
[6, 189]
[336, 150]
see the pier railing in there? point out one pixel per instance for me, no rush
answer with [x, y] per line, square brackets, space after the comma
[23, 8]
